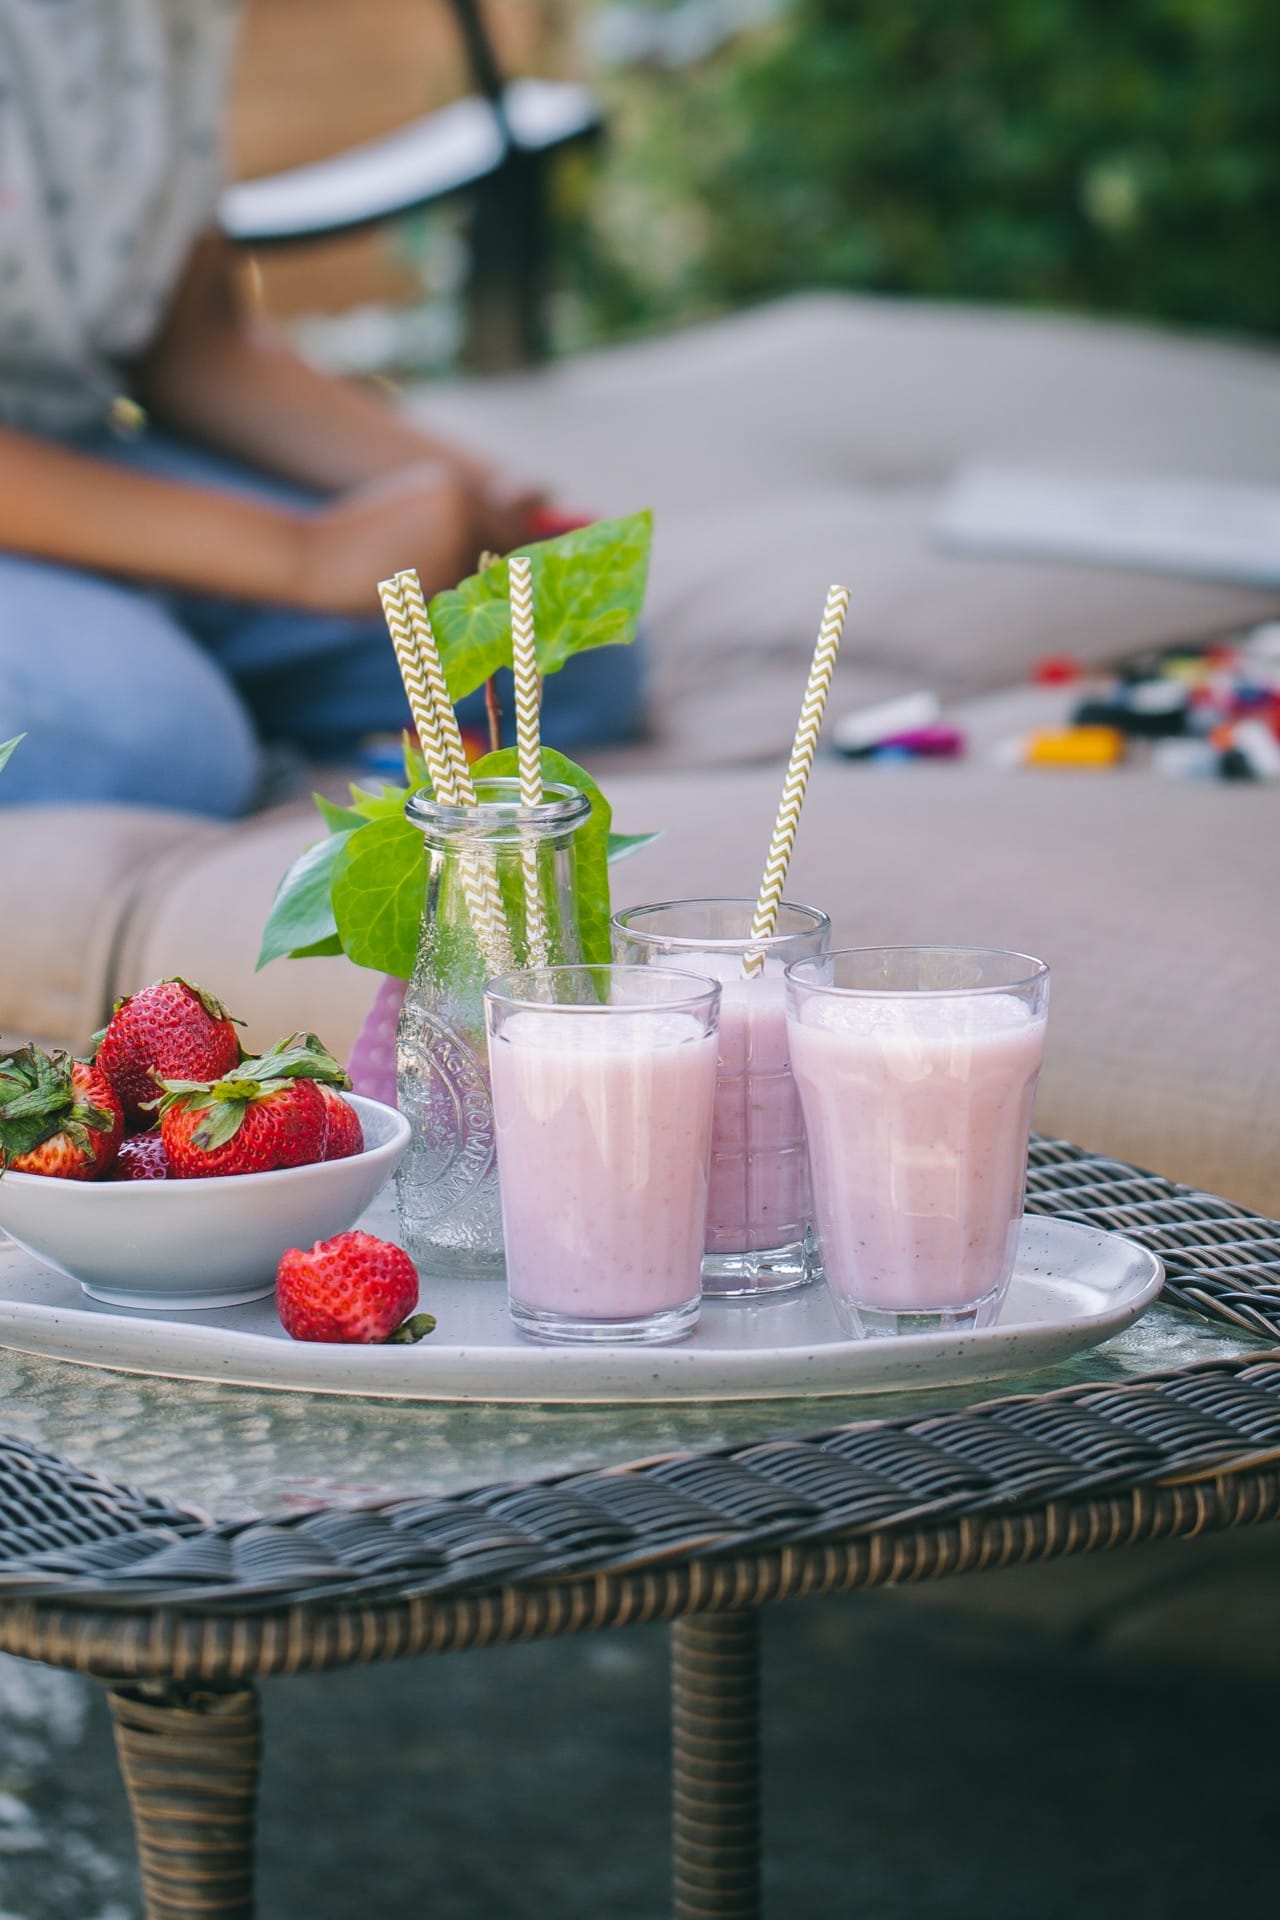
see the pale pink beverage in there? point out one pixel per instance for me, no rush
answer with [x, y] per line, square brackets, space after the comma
[759, 1164]
[759, 1237]
[917, 1068]
[602, 1108]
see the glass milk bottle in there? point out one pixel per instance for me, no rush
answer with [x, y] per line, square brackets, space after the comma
[475, 924]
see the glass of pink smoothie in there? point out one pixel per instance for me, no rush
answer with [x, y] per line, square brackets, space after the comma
[917, 1067]
[759, 1217]
[603, 1085]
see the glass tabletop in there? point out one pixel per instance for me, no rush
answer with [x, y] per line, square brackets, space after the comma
[235, 1452]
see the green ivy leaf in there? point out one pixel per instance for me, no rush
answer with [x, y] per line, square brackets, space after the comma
[7, 747]
[302, 919]
[588, 589]
[379, 884]
[386, 804]
[591, 842]
[330, 948]
[361, 891]
[623, 845]
[336, 818]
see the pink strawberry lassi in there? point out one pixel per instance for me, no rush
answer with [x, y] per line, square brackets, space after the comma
[759, 1165]
[758, 1213]
[918, 1104]
[603, 1121]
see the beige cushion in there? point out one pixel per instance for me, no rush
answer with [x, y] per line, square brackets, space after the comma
[69, 877]
[807, 441]
[204, 919]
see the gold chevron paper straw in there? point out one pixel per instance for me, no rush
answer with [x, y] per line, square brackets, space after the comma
[433, 672]
[421, 705]
[479, 883]
[524, 667]
[802, 751]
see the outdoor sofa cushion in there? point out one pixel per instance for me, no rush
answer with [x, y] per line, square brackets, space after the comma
[808, 441]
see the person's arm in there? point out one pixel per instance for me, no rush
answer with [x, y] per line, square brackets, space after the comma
[236, 384]
[69, 508]
[76, 511]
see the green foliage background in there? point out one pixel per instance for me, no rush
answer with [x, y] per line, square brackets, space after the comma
[1113, 156]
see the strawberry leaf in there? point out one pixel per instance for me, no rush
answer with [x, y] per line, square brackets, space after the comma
[410, 1331]
[38, 1099]
[221, 1124]
[299, 1056]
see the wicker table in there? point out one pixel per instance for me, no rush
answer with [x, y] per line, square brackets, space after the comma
[399, 1530]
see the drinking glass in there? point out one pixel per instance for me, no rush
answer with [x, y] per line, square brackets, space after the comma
[759, 1216]
[603, 1082]
[917, 1068]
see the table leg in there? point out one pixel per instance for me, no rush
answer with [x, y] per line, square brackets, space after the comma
[716, 1766]
[190, 1758]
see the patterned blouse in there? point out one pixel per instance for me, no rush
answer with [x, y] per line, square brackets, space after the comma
[110, 167]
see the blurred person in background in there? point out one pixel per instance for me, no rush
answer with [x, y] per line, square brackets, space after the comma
[175, 594]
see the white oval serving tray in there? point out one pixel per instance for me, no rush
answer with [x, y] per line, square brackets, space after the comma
[1072, 1287]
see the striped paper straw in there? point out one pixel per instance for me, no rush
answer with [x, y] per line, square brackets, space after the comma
[524, 666]
[802, 751]
[433, 671]
[421, 705]
[421, 671]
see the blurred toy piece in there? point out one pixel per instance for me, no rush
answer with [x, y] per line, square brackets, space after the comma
[909, 727]
[1202, 712]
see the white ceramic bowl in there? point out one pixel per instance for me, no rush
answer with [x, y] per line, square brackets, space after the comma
[197, 1243]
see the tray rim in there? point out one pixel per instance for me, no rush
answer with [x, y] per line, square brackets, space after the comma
[961, 1357]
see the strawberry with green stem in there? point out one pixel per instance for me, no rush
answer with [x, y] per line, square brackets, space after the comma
[58, 1116]
[171, 1030]
[355, 1289]
[266, 1114]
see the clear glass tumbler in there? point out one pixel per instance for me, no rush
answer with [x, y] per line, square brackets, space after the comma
[447, 1185]
[759, 1219]
[603, 1084]
[917, 1068]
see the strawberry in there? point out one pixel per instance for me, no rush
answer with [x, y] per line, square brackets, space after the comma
[141, 1157]
[346, 1135]
[353, 1289]
[58, 1116]
[171, 1030]
[268, 1113]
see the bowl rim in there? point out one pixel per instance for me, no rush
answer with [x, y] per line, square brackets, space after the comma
[225, 1182]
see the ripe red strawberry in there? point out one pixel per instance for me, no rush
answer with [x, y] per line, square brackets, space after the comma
[353, 1289]
[141, 1157]
[268, 1113]
[346, 1135]
[171, 1030]
[58, 1116]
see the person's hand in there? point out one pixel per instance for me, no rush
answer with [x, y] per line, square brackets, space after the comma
[506, 505]
[422, 517]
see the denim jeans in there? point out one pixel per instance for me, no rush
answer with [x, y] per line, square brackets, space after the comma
[163, 699]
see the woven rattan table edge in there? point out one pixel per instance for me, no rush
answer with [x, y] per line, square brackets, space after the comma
[189, 1646]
